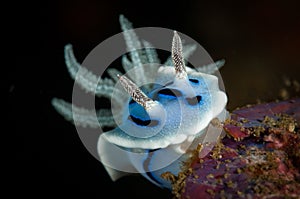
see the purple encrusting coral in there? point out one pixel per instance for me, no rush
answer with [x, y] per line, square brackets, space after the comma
[258, 158]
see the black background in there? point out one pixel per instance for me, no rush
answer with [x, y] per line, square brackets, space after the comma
[259, 40]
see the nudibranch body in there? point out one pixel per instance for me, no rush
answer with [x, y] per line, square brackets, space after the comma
[180, 106]
[158, 122]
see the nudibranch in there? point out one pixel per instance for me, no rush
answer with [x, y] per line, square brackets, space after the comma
[159, 121]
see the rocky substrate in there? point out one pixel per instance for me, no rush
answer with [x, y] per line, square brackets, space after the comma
[259, 157]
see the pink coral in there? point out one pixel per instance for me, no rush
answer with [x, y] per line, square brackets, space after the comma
[259, 157]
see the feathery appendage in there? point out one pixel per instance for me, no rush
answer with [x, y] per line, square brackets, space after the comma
[105, 87]
[133, 45]
[151, 53]
[113, 73]
[85, 78]
[152, 61]
[212, 68]
[84, 117]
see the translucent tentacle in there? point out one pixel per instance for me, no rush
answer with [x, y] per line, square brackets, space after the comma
[113, 73]
[211, 68]
[114, 94]
[106, 118]
[89, 81]
[72, 65]
[151, 53]
[127, 65]
[143, 56]
[63, 107]
[153, 61]
[83, 117]
[133, 44]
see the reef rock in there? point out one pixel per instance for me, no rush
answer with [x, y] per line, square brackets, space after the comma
[259, 157]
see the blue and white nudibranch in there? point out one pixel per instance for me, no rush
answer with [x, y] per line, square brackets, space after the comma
[157, 122]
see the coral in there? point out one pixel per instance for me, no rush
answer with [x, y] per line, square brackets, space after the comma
[259, 157]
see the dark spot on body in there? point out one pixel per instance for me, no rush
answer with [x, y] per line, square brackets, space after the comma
[141, 122]
[194, 81]
[194, 100]
[132, 101]
[170, 92]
